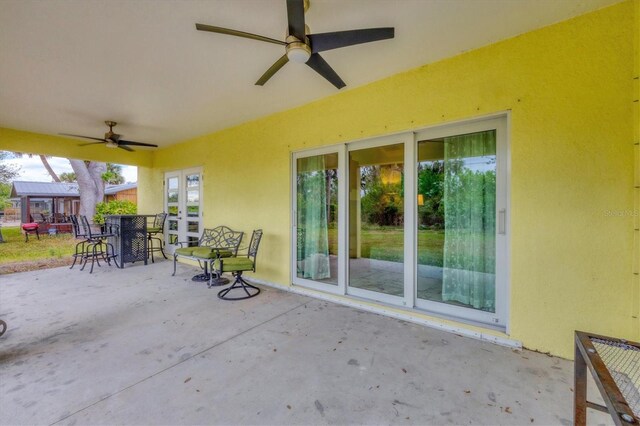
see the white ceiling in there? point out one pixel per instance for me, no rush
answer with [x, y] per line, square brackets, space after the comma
[68, 65]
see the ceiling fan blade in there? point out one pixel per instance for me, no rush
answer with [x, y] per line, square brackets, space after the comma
[322, 67]
[220, 30]
[91, 143]
[295, 15]
[126, 148]
[272, 70]
[80, 136]
[122, 142]
[327, 41]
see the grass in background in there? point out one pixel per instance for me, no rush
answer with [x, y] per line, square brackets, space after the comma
[14, 249]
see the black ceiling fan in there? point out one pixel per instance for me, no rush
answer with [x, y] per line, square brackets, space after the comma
[303, 47]
[112, 140]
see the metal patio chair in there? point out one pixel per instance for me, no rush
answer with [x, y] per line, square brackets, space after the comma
[157, 228]
[97, 245]
[79, 234]
[236, 266]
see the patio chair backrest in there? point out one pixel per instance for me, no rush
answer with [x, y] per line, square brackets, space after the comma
[85, 227]
[77, 231]
[158, 221]
[252, 252]
[222, 237]
[58, 218]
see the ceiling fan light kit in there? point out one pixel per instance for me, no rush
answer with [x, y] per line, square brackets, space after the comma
[298, 51]
[302, 47]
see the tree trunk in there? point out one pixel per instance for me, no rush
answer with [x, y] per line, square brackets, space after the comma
[90, 185]
[47, 166]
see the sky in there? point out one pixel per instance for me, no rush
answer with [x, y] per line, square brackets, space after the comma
[31, 169]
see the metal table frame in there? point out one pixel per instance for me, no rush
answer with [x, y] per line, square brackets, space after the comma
[586, 356]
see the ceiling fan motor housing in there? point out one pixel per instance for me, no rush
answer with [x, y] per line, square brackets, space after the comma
[297, 51]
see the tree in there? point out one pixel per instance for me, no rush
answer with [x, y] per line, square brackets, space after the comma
[113, 175]
[68, 177]
[8, 172]
[90, 184]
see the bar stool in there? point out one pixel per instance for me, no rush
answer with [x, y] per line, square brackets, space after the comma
[152, 234]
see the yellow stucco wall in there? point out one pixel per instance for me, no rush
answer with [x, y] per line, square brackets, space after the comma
[570, 89]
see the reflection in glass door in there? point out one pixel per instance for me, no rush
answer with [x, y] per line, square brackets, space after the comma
[461, 222]
[376, 220]
[183, 197]
[316, 219]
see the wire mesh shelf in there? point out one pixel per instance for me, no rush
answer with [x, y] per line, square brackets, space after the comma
[615, 367]
[623, 362]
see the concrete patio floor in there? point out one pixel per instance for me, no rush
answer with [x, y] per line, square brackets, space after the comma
[138, 346]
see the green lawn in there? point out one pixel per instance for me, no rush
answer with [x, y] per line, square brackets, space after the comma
[387, 243]
[14, 249]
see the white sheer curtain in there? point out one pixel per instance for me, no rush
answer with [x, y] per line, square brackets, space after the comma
[313, 226]
[469, 206]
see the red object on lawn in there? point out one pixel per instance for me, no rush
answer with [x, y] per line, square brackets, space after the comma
[30, 228]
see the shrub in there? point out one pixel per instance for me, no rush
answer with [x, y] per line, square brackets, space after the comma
[113, 207]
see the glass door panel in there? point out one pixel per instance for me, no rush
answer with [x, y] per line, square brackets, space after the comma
[182, 201]
[376, 219]
[316, 219]
[456, 221]
[192, 201]
[172, 197]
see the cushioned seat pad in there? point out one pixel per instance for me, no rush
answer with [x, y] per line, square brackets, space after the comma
[184, 251]
[202, 252]
[151, 230]
[234, 264]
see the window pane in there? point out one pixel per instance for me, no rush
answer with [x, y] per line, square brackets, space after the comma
[172, 183]
[456, 220]
[173, 225]
[172, 210]
[376, 219]
[193, 226]
[173, 238]
[193, 211]
[317, 218]
[193, 181]
[193, 196]
[172, 196]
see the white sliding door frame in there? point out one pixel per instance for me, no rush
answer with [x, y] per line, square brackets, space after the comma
[499, 122]
[304, 282]
[406, 300]
[500, 317]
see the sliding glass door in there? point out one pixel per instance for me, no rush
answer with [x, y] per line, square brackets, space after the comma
[376, 222]
[418, 220]
[315, 218]
[461, 221]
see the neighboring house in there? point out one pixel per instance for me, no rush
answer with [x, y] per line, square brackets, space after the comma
[126, 191]
[51, 198]
[543, 126]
